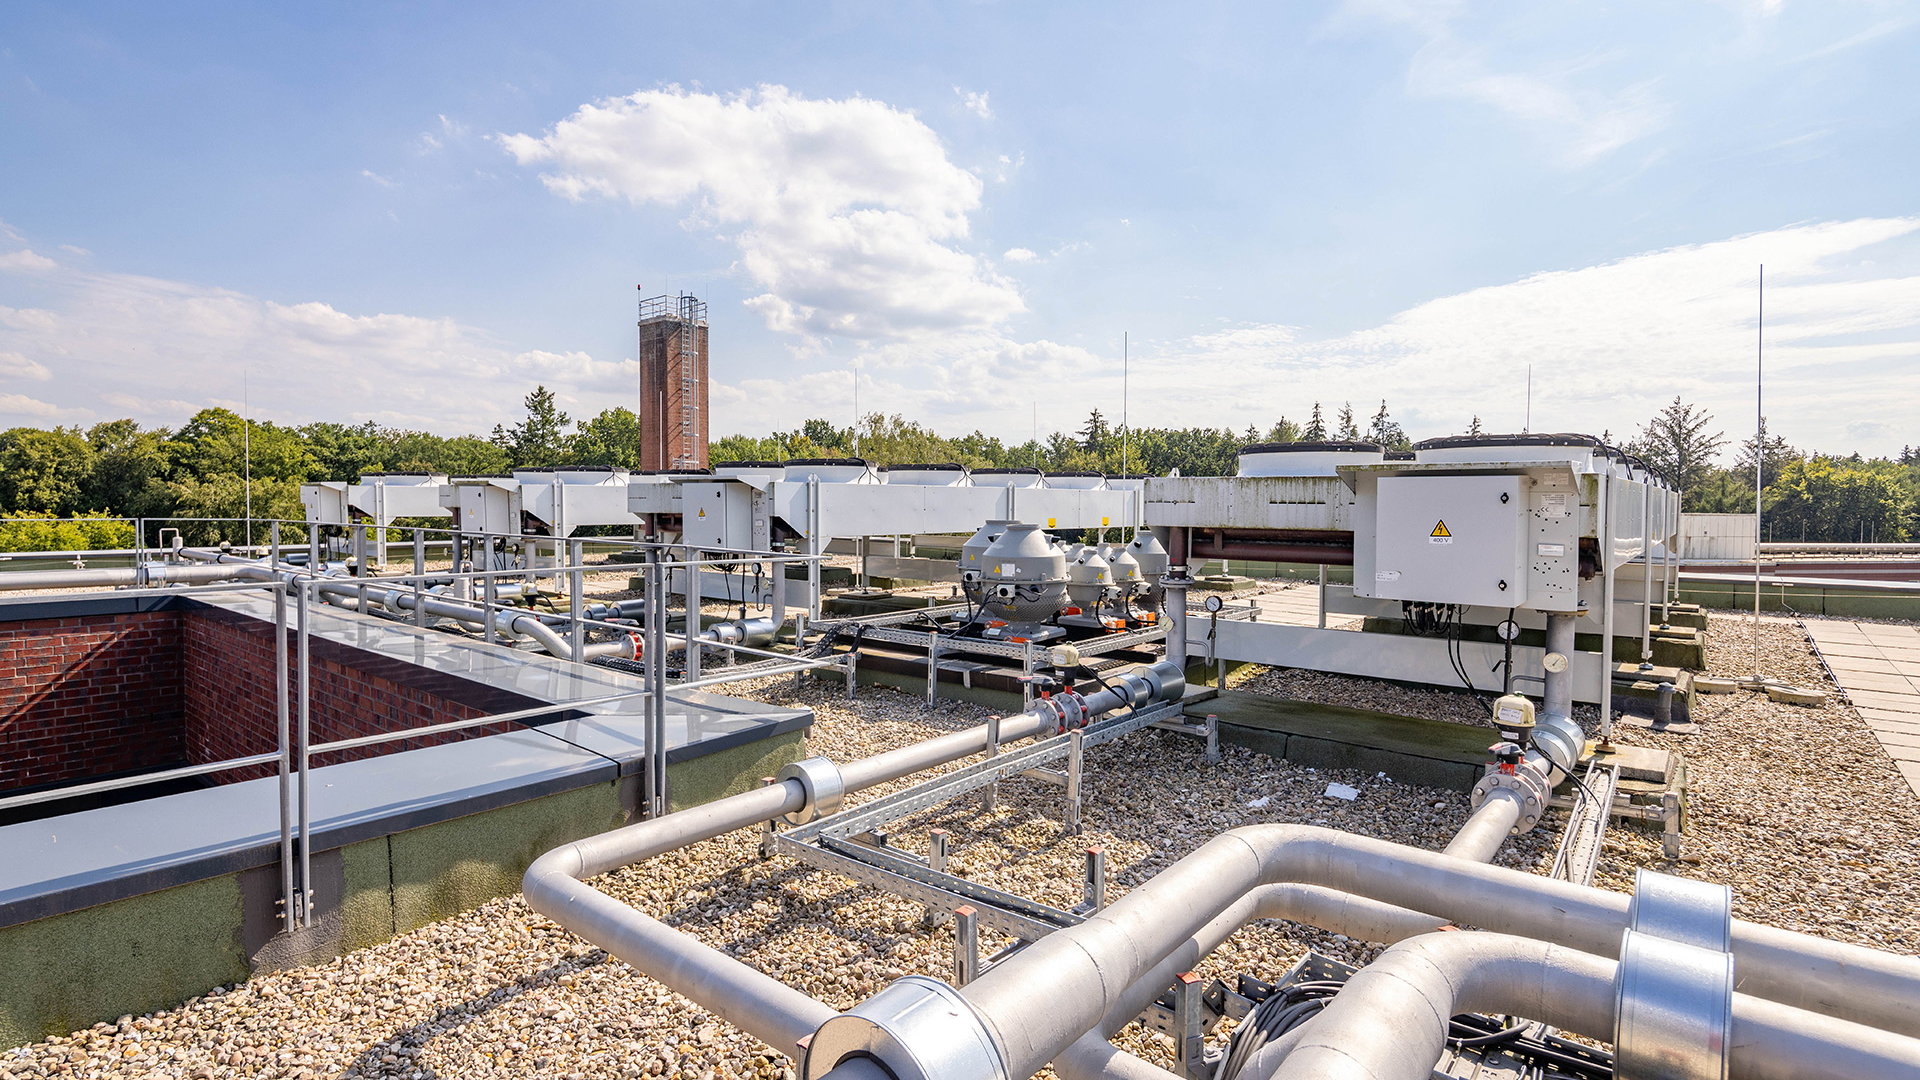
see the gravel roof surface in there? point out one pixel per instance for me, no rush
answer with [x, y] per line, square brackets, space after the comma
[1797, 808]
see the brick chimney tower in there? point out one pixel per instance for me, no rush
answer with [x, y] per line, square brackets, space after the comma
[673, 383]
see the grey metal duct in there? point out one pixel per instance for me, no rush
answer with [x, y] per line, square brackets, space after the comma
[1041, 1000]
[1415, 986]
[756, 1003]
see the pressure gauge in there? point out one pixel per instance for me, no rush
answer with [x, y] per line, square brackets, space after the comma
[1508, 630]
[1554, 662]
[1213, 603]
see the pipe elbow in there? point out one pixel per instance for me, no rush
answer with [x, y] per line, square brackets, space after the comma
[564, 860]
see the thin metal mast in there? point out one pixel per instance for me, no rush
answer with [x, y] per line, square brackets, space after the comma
[1125, 435]
[1759, 451]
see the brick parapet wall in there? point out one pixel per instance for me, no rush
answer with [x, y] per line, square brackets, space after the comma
[231, 710]
[86, 696]
[89, 696]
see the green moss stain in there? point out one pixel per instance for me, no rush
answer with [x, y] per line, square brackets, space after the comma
[444, 869]
[730, 772]
[129, 956]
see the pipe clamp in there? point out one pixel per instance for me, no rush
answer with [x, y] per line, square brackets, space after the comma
[821, 780]
[1673, 991]
[916, 1028]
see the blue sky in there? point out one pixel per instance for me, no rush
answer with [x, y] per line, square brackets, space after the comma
[411, 216]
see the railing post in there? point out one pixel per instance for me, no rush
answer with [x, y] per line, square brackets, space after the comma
[576, 597]
[656, 646]
[283, 724]
[693, 627]
[990, 795]
[420, 578]
[488, 590]
[302, 741]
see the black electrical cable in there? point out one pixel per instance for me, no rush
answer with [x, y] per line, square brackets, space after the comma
[1281, 1012]
[1587, 791]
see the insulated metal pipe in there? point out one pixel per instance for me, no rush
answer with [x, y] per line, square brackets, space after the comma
[1487, 827]
[756, 1003]
[1039, 1001]
[112, 577]
[1415, 986]
[1557, 698]
[1091, 1056]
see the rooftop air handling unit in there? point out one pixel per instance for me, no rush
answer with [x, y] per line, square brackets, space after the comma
[947, 474]
[1306, 458]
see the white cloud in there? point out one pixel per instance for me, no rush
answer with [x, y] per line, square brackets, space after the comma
[15, 366]
[974, 103]
[121, 344]
[847, 213]
[1608, 345]
[378, 179]
[1557, 100]
[22, 405]
[1019, 255]
[25, 260]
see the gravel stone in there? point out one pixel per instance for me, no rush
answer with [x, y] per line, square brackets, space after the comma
[1798, 809]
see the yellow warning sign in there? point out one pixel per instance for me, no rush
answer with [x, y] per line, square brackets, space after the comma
[1440, 534]
[1053, 523]
[703, 513]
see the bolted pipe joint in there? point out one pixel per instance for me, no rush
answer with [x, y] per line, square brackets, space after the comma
[916, 1028]
[820, 779]
[1527, 780]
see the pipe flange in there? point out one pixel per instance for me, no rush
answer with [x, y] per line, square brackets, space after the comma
[916, 1028]
[1073, 710]
[1524, 781]
[821, 780]
[1672, 1008]
[1682, 909]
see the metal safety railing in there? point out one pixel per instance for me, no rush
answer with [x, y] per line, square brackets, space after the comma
[297, 590]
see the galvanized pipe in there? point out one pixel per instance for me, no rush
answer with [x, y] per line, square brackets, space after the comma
[754, 1002]
[1557, 698]
[1487, 827]
[1038, 1002]
[1415, 986]
[1091, 1056]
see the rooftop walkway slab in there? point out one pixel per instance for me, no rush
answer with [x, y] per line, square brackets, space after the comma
[1878, 665]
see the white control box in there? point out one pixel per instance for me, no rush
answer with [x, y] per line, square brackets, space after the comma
[716, 515]
[1450, 540]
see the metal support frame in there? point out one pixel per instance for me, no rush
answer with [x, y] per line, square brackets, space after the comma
[933, 668]
[835, 842]
[1096, 890]
[966, 944]
[1190, 1015]
[576, 597]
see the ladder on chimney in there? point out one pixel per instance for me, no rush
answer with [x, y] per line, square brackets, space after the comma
[689, 362]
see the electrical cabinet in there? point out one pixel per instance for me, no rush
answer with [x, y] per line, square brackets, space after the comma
[1451, 540]
[717, 515]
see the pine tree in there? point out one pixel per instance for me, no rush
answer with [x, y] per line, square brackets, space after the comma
[1316, 427]
[1096, 433]
[1778, 453]
[1348, 429]
[1474, 428]
[1676, 442]
[1385, 431]
[540, 439]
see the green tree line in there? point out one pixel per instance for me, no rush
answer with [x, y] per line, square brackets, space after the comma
[206, 467]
